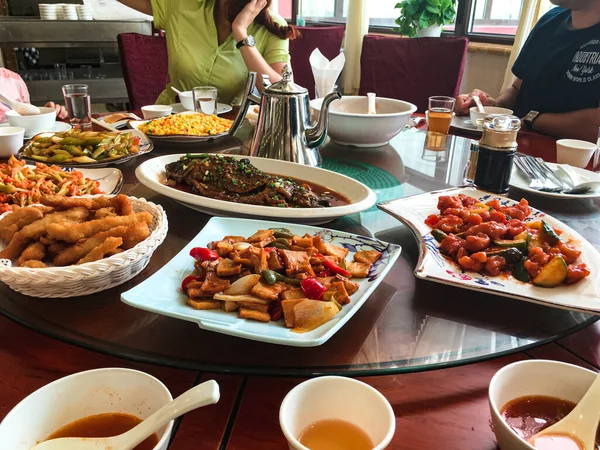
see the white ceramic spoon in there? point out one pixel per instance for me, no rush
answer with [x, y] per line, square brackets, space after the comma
[576, 181]
[477, 101]
[204, 394]
[580, 424]
[177, 91]
[24, 109]
[371, 102]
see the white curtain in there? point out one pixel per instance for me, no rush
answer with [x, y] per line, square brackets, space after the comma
[357, 25]
[530, 13]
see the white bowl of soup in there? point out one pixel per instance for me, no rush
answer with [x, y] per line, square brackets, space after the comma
[349, 123]
[34, 124]
[103, 401]
[477, 117]
[528, 396]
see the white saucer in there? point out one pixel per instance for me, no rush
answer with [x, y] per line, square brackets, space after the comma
[57, 128]
[519, 180]
[464, 123]
[222, 108]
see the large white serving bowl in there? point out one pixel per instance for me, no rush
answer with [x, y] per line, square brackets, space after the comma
[349, 123]
[80, 395]
[536, 377]
[44, 121]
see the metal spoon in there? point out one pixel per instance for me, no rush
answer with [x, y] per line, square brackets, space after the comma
[24, 109]
[580, 424]
[477, 101]
[201, 395]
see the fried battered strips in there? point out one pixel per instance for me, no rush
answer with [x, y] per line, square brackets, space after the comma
[135, 234]
[105, 212]
[99, 252]
[35, 252]
[38, 228]
[76, 232]
[62, 202]
[120, 203]
[33, 264]
[16, 220]
[73, 253]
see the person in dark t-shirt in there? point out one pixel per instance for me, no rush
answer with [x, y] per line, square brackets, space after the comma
[557, 90]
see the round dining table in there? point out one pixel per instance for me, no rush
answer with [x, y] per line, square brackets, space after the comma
[431, 349]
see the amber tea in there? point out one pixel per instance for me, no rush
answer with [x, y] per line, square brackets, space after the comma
[438, 120]
[335, 434]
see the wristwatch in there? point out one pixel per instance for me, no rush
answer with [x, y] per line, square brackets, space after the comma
[249, 41]
[530, 118]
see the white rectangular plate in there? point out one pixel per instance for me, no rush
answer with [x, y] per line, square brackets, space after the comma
[161, 292]
[412, 211]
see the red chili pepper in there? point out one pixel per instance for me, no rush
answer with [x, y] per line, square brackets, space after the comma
[312, 288]
[326, 273]
[269, 249]
[276, 311]
[335, 268]
[203, 254]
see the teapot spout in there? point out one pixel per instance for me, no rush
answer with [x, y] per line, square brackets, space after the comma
[316, 135]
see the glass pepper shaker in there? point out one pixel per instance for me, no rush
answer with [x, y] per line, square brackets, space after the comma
[497, 149]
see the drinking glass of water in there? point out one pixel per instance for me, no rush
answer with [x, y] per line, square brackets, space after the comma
[205, 99]
[77, 102]
[439, 114]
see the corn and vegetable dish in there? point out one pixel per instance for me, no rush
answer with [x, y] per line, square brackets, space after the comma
[24, 185]
[497, 240]
[196, 124]
[276, 275]
[75, 146]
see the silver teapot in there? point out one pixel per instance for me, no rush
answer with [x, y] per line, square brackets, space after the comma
[284, 129]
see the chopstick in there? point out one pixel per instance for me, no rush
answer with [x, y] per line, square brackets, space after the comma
[104, 125]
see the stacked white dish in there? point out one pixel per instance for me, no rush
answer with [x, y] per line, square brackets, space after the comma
[69, 12]
[48, 11]
[84, 12]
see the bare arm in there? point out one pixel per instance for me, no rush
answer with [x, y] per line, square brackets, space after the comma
[582, 124]
[256, 63]
[508, 97]
[143, 6]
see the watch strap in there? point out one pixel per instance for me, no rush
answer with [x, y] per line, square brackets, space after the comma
[530, 118]
[248, 40]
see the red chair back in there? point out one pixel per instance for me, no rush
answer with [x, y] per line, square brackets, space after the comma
[327, 39]
[412, 69]
[145, 67]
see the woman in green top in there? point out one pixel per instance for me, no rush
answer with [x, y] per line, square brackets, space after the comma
[217, 42]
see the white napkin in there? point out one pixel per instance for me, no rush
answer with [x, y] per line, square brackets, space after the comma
[325, 72]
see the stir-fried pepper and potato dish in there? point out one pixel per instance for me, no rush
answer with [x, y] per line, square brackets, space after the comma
[76, 146]
[64, 231]
[194, 124]
[495, 240]
[275, 275]
[23, 185]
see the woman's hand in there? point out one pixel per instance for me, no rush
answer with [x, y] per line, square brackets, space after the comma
[465, 101]
[244, 19]
[61, 112]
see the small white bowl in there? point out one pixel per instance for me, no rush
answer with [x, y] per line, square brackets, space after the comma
[155, 111]
[337, 398]
[574, 152]
[477, 117]
[11, 140]
[187, 100]
[80, 395]
[350, 125]
[535, 377]
[44, 121]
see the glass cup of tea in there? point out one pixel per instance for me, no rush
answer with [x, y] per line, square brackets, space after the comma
[336, 412]
[205, 99]
[78, 104]
[439, 114]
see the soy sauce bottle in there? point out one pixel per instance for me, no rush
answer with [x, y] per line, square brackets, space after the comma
[497, 149]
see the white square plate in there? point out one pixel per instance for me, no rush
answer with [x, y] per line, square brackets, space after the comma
[412, 211]
[161, 292]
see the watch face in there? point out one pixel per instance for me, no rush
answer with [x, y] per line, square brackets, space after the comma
[251, 41]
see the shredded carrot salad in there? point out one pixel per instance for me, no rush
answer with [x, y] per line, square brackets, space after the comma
[24, 185]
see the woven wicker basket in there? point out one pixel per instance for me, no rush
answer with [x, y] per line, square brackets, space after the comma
[72, 281]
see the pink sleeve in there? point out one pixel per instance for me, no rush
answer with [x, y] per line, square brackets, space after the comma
[13, 86]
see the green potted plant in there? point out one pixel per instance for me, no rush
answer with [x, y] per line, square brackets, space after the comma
[425, 18]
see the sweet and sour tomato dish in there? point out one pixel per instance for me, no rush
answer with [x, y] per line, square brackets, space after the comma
[497, 240]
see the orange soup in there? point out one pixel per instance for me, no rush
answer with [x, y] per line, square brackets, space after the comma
[335, 434]
[104, 425]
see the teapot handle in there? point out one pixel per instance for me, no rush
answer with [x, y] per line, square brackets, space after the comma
[248, 97]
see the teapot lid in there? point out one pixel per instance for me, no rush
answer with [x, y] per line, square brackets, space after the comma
[286, 85]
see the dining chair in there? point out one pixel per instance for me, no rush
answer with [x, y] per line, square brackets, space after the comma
[412, 69]
[327, 39]
[145, 67]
